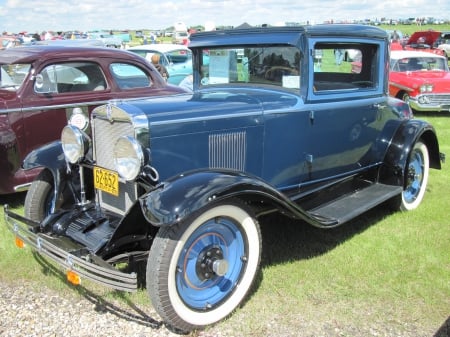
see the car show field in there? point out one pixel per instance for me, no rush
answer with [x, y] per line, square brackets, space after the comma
[287, 195]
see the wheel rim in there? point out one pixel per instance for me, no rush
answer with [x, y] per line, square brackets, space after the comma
[414, 178]
[211, 264]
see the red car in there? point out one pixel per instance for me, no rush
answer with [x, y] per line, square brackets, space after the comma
[420, 78]
[42, 88]
[427, 41]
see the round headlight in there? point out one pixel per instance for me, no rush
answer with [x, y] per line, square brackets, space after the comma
[75, 143]
[128, 157]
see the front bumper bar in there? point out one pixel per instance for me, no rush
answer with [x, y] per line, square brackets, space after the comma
[90, 266]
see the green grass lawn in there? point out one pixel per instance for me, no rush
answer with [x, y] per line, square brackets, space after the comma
[381, 267]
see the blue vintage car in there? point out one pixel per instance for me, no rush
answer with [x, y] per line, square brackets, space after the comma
[179, 182]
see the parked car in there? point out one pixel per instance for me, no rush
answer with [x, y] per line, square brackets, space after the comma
[175, 57]
[109, 40]
[180, 37]
[9, 42]
[444, 44]
[42, 87]
[179, 182]
[427, 41]
[421, 79]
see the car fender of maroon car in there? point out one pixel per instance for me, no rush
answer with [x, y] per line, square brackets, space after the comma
[421, 79]
[34, 108]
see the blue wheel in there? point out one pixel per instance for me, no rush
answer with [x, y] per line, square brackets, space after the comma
[416, 177]
[200, 270]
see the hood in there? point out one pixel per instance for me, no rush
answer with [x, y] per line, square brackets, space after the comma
[440, 79]
[430, 37]
[6, 95]
[208, 105]
[6, 98]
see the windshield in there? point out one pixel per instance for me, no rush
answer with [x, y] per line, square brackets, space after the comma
[272, 65]
[419, 63]
[13, 75]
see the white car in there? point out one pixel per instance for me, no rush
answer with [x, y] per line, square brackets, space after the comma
[445, 44]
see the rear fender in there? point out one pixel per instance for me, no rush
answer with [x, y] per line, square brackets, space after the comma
[400, 146]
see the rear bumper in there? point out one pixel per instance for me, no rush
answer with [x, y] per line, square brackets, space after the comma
[86, 265]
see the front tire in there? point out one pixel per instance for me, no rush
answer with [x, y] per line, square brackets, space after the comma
[39, 197]
[201, 269]
[416, 177]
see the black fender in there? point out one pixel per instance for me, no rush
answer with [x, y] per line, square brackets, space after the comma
[177, 198]
[407, 134]
[50, 157]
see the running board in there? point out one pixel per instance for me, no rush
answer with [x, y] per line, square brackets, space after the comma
[351, 205]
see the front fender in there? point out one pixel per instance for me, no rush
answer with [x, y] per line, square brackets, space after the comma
[400, 146]
[50, 157]
[177, 198]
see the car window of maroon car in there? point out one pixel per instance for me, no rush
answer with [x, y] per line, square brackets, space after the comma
[13, 75]
[128, 76]
[70, 77]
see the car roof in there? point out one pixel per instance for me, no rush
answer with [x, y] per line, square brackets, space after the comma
[282, 35]
[400, 54]
[28, 54]
[161, 47]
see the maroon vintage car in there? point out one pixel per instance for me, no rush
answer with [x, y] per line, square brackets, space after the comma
[420, 78]
[42, 88]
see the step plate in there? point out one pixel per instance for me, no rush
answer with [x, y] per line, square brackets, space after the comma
[349, 206]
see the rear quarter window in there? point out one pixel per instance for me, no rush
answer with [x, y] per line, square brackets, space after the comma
[345, 67]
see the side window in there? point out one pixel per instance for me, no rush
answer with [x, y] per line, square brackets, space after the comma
[69, 78]
[129, 76]
[345, 66]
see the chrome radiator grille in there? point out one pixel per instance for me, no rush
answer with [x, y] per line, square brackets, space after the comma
[439, 99]
[105, 135]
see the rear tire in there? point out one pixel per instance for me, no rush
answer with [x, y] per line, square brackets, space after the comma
[416, 177]
[201, 269]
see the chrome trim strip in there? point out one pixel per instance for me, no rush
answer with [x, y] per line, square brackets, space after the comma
[22, 188]
[52, 107]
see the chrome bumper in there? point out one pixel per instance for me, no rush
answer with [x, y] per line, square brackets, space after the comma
[90, 266]
[430, 102]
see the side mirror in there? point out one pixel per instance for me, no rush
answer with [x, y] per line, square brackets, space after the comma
[43, 85]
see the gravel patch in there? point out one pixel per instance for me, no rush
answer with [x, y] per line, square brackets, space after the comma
[29, 312]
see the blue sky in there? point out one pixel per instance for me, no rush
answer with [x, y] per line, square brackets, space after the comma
[40, 15]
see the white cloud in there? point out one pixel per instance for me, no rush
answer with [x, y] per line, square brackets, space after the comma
[39, 15]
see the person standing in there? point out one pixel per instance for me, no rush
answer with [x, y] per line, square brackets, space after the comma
[339, 56]
[162, 70]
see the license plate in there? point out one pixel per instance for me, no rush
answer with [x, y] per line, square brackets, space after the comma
[106, 180]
